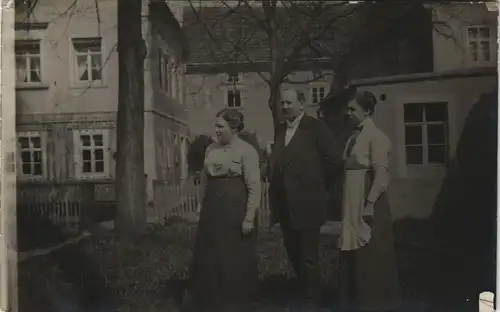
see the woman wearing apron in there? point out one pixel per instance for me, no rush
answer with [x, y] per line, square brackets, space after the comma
[368, 279]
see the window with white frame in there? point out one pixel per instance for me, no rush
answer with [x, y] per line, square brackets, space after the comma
[481, 44]
[233, 99]
[92, 149]
[163, 70]
[31, 155]
[87, 59]
[28, 61]
[317, 94]
[426, 133]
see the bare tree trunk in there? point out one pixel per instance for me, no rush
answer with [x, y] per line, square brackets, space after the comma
[274, 94]
[274, 78]
[130, 180]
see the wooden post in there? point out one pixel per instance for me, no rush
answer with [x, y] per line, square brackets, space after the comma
[8, 231]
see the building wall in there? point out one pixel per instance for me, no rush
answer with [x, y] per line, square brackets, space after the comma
[413, 191]
[58, 105]
[206, 95]
[451, 51]
[61, 155]
[166, 117]
[59, 92]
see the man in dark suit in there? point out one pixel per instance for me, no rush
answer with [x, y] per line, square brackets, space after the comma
[305, 159]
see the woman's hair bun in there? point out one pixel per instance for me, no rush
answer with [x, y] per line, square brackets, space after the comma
[233, 117]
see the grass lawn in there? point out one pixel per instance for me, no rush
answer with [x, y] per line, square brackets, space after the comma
[144, 276]
[147, 275]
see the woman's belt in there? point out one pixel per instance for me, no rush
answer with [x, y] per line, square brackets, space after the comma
[224, 176]
[357, 167]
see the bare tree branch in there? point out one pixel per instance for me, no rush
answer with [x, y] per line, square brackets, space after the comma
[259, 23]
[214, 40]
[305, 40]
[98, 16]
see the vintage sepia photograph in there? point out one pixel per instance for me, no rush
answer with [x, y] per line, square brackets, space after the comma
[248, 156]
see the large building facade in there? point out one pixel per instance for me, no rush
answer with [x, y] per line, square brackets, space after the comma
[67, 93]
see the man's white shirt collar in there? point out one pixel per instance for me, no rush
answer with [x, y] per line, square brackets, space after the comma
[295, 122]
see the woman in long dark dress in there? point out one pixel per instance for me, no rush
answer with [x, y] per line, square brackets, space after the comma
[224, 268]
[368, 278]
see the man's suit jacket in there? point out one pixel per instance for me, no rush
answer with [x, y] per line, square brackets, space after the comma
[300, 174]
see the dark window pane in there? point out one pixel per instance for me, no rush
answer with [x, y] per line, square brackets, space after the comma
[26, 157]
[85, 139]
[99, 166]
[485, 50]
[36, 142]
[484, 32]
[35, 69]
[98, 154]
[473, 51]
[27, 46]
[96, 74]
[26, 168]
[38, 169]
[413, 135]
[87, 44]
[230, 98]
[37, 156]
[85, 75]
[472, 32]
[24, 142]
[237, 99]
[437, 154]
[414, 155]
[87, 166]
[413, 112]
[86, 155]
[436, 112]
[436, 134]
[97, 139]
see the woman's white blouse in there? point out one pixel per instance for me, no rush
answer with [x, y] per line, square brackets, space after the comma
[370, 152]
[237, 159]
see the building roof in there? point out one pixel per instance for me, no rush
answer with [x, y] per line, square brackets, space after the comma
[213, 37]
[333, 99]
[220, 35]
[221, 38]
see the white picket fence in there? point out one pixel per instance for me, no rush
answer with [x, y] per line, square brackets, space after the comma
[64, 213]
[183, 200]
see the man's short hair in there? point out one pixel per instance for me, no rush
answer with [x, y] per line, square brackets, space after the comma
[301, 97]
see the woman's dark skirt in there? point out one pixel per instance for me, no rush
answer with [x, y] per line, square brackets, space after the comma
[225, 273]
[368, 277]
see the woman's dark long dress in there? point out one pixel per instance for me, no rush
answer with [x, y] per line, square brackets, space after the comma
[224, 269]
[368, 277]
[368, 272]
[225, 265]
